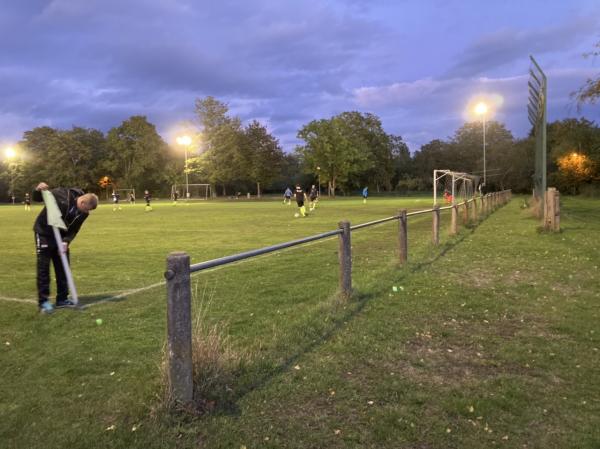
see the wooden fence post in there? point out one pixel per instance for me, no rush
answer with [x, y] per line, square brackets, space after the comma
[435, 237]
[345, 257]
[552, 210]
[474, 211]
[403, 236]
[179, 327]
[453, 220]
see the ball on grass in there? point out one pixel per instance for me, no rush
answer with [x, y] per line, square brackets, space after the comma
[296, 215]
[99, 321]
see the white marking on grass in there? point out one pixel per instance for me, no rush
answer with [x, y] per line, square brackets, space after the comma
[23, 300]
[134, 291]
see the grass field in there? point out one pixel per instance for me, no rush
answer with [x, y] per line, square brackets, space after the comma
[490, 339]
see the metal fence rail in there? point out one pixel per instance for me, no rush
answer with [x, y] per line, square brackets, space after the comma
[178, 276]
[257, 252]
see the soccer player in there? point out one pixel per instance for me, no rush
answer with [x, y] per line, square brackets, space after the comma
[74, 206]
[148, 198]
[131, 198]
[287, 196]
[448, 197]
[116, 196]
[314, 197]
[365, 194]
[27, 202]
[175, 196]
[300, 197]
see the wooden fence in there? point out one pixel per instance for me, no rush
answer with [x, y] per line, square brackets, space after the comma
[179, 270]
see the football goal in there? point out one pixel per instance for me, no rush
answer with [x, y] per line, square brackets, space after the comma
[453, 187]
[194, 191]
[126, 195]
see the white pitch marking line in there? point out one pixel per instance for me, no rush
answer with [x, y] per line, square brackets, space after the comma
[26, 301]
[158, 284]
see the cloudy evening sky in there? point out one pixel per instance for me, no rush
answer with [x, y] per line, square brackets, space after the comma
[415, 64]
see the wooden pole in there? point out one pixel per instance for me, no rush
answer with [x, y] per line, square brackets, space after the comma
[345, 258]
[435, 238]
[403, 236]
[179, 327]
[453, 220]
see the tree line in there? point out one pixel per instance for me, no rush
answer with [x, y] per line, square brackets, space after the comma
[343, 153]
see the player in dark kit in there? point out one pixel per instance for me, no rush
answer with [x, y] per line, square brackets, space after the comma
[314, 197]
[148, 198]
[74, 206]
[300, 197]
[116, 196]
[175, 197]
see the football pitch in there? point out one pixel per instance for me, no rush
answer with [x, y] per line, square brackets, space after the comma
[489, 339]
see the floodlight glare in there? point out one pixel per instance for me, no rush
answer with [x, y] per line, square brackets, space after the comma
[481, 108]
[184, 140]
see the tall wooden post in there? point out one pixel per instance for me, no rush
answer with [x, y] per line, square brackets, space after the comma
[435, 236]
[403, 236]
[552, 210]
[453, 220]
[345, 258]
[179, 327]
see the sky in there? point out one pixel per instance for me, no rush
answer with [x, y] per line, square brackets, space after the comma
[418, 65]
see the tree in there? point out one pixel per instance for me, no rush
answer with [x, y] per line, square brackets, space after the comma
[262, 154]
[222, 136]
[63, 157]
[466, 151]
[574, 147]
[136, 154]
[590, 91]
[338, 146]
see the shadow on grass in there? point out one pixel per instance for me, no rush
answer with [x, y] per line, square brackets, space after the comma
[89, 300]
[260, 372]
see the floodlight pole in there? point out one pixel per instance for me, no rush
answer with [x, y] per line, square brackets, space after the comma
[484, 167]
[185, 141]
[319, 175]
[187, 191]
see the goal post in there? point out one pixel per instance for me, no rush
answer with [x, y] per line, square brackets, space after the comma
[453, 186]
[125, 195]
[194, 191]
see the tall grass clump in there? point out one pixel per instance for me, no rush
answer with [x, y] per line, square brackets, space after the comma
[215, 363]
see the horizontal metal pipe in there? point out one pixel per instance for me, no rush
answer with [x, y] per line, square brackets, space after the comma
[419, 212]
[269, 249]
[257, 252]
[372, 223]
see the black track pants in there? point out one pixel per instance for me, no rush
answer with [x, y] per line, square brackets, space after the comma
[46, 251]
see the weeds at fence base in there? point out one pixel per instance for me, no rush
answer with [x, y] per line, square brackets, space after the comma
[216, 366]
[541, 229]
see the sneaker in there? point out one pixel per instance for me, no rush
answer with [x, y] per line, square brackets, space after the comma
[46, 307]
[65, 303]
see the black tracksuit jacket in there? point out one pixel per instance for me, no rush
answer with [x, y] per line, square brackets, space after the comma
[66, 198]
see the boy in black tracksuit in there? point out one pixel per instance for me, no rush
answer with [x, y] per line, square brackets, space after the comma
[74, 206]
[300, 197]
[148, 198]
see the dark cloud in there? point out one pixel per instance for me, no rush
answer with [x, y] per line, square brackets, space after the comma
[94, 63]
[508, 45]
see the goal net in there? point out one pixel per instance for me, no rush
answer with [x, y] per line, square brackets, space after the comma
[194, 191]
[125, 195]
[452, 187]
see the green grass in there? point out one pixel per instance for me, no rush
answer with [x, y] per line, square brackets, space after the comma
[490, 340]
